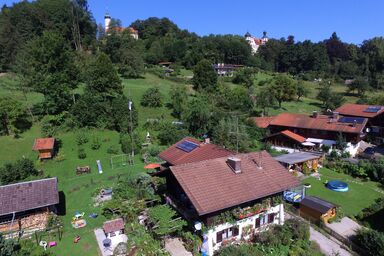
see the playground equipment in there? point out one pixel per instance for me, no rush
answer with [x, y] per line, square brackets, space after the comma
[118, 161]
[43, 244]
[83, 169]
[78, 221]
[294, 195]
[52, 244]
[337, 185]
[99, 166]
[77, 239]
[93, 215]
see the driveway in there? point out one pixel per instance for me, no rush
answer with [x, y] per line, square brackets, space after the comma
[328, 246]
[346, 227]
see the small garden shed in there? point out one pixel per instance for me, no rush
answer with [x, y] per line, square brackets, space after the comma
[316, 209]
[45, 147]
[113, 227]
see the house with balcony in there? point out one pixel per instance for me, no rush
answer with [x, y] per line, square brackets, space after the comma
[289, 130]
[233, 196]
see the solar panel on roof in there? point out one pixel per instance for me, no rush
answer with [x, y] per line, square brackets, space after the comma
[351, 120]
[186, 146]
[373, 109]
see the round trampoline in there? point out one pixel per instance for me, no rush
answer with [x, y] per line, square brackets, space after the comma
[337, 185]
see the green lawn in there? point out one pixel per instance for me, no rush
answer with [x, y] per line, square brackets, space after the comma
[78, 190]
[137, 87]
[360, 194]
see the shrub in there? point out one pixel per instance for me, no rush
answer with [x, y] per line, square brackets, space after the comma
[170, 134]
[152, 98]
[81, 138]
[113, 150]
[95, 143]
[126, 143]
[371, 241]
[20, 170]
[81, 153]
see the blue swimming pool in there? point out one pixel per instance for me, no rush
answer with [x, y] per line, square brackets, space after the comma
[337, 185]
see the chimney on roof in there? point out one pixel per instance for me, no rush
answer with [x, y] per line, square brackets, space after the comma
[335, 115]
[235, 164]
[315, 114]
[260, 162]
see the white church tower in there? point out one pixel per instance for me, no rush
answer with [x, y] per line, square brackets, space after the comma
[107, 22]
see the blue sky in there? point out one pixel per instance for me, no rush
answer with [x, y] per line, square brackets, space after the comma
[353, 20]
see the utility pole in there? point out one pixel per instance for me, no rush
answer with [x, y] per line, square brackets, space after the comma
[131, 128]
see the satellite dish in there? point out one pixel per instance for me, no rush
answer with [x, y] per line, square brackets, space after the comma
[368, 130]
[198, 226]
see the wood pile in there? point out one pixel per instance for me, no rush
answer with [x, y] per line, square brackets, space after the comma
[36, 221]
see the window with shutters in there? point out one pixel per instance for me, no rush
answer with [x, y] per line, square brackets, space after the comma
[271, 218]
[264, 219]
[227, 233]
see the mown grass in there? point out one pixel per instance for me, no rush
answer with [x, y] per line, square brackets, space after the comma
[135, 88]
[78, 189]
[361, 194]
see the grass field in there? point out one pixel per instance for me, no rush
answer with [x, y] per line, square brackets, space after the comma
[360, 194]
[78, 190]
[137, 87]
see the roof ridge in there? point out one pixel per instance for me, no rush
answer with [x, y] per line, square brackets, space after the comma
[31, 181]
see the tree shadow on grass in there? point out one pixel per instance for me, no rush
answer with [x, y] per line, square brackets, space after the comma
[315, 104]
[61, 208]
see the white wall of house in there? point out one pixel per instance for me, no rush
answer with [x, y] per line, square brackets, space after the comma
[114, 234]
[289, 150]
[211, 234]
[352, 149]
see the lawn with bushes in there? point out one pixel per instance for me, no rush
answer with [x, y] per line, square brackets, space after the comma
[360, 195]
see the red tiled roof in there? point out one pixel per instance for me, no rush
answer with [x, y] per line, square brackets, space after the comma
[152, 166]
[319, 123]
[175, 156]
[357, 110]
[293, 136]
[113, 225]
[212, 185]
[29, 195]
[263, 122]
[290, 135]
[43, 143]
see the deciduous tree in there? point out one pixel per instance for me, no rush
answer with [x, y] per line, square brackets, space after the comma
[204, 77]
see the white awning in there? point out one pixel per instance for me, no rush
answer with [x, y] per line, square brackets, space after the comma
[309, 144]
[321, 141]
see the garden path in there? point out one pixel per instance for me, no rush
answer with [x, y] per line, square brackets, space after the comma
[176, 248]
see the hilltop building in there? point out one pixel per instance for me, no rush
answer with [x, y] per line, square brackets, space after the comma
[255, 42]
[108, 28]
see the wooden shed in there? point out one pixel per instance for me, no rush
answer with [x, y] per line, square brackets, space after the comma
[301, 161]
[316, 209]
[45, 147]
